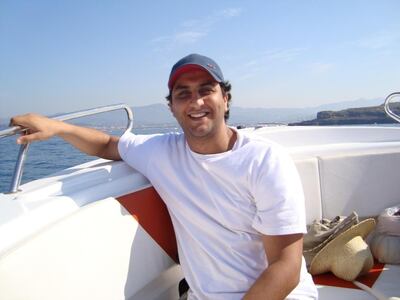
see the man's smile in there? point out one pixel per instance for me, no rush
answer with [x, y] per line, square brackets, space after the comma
[198, 115]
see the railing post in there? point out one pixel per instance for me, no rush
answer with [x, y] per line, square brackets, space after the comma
[388, 111]
[19, 168]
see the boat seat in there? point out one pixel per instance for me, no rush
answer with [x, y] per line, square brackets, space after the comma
[366, 183]
[361, 179]
[364, 180]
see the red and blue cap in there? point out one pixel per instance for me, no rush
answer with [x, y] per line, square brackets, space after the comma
[194, 62]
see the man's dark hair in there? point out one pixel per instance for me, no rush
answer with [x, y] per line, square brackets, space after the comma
[226, 90]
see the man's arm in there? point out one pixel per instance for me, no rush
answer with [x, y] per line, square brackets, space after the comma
[284, 254]
[90, 141]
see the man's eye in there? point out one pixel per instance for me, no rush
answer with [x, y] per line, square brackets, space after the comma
[206, 91]
[183, 95]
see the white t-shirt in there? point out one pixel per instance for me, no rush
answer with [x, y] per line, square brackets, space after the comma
[220, 204]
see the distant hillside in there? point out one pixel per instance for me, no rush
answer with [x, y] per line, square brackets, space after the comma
[362, 115]
[142, 115]
[241, 115]
[350, 104]
[159, 114]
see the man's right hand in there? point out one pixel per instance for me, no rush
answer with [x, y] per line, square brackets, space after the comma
[87, 140]
[39, 128]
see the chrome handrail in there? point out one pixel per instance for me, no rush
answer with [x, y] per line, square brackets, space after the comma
[388, 111]
[19, 165]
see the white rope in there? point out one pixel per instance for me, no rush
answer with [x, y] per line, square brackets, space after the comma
[379, 295]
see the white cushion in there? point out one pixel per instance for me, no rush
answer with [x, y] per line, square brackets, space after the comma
[366, 183]
[309, 174]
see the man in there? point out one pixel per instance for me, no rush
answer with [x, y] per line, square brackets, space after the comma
[236, 201]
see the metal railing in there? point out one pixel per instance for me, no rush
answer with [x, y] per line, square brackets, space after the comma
[19, 165]
[388, 111]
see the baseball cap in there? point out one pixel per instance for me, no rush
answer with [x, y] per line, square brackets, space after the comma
[194, 62]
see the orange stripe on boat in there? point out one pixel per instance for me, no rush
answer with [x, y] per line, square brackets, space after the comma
[367, 279]
[149, 210]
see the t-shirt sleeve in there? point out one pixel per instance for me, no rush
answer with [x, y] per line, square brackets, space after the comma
[137, 150]
[278, 195]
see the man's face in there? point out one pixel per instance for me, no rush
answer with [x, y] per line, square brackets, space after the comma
[199, 105]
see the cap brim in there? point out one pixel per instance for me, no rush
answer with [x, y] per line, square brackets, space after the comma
[187, 69]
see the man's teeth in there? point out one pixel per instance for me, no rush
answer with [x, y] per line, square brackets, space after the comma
[198, 115]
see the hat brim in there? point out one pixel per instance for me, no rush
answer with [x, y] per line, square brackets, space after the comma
[187, 69]
[361, 229]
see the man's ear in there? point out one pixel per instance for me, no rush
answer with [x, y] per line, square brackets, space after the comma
[225, 96]
[170, 108]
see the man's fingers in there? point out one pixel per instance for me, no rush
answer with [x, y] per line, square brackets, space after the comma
[13, 121]
[36, 127]
[24, 139]
[23, 120]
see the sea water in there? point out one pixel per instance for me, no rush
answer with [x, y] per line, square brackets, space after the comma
[47, 157]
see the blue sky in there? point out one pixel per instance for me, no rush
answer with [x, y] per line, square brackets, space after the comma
[58, 56]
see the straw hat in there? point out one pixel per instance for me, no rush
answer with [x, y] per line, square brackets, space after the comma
[347, 256]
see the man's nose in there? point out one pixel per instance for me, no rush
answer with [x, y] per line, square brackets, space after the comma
[197, 99]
